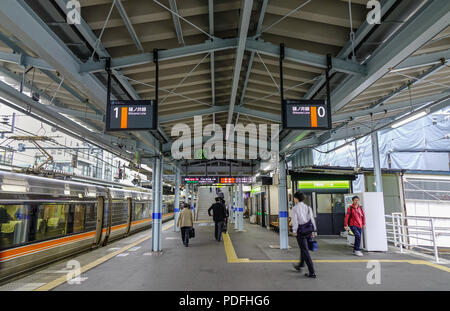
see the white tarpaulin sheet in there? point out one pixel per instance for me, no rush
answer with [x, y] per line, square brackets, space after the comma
[420, 145]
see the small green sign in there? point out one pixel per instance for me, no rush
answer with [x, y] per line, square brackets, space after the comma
[324, 184]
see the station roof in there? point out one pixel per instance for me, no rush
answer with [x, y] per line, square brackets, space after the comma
[219, 59]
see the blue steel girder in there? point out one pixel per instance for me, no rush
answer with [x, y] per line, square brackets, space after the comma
[431, 19]
[18, 18]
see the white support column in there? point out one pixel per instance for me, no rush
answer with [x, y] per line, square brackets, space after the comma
[241, 208]
[236, 208]
[376, 162]
[177, 199]
[192, 198]
[282, 206]
[157, 199]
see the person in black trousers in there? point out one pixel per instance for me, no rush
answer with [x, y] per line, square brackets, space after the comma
[304, 227]
[220, 215]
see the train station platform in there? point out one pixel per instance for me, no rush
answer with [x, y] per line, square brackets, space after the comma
[244, 261]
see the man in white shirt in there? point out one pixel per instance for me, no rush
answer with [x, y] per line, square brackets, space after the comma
[304, 228]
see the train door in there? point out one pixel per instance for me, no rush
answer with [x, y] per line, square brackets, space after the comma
[108, 218]
[130, 208]
[99, 226]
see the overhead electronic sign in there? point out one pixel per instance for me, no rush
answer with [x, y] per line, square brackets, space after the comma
[131, 115]
[306, 115]
[210, 180]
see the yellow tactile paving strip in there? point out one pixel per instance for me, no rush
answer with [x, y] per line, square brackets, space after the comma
[233, 258]
[63, 279]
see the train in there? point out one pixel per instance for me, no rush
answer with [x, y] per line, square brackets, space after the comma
[43, 220]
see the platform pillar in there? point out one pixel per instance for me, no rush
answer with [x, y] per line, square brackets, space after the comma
[236, 208]
[282, 206]
[176, 206]
[241, 208]
[192, 198]
[376, 162]
[157, 203]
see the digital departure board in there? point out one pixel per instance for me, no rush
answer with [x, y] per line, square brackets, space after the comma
[210, 180]
[131, 115]
[200, 180]
[306, 115]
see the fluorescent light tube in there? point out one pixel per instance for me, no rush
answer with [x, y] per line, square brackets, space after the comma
[410, 119]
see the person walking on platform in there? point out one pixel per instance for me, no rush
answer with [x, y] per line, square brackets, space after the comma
[304, 228]
[219, 216]
[356, 220]
[185, 223]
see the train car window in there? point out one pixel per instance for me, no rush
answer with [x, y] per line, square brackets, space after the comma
[79, 211]
[90, 220]
[147, 210]
[52, 220]
[119, 212]
[14, 222]
[137, 211]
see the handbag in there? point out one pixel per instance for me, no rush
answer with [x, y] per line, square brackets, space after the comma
[192, 233]
[312, 245]
[306, 228]
[224, 228]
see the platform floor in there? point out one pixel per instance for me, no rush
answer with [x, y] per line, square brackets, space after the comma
[243, 261]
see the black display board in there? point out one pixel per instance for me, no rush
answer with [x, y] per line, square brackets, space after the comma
[209, 180]
[131, 115]
[306, 115]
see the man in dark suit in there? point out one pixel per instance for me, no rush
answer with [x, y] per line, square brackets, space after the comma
[220, 215]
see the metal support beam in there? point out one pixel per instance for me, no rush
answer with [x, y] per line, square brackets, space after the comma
[427, 23]
[24, 60]
[276, 118]
[192, 197]
[376, 162]
[14, 98]
[176, 21]
[191, 114]
[431, 19]
[351, 116]
[306, 58]
[423, 60]
[407, 85]
[177, 199]
[88, 34]
[252, 55]
[282, 205]
[211, 32]
[358, 131]
[129, 25]
[157, 204]
[246, 13]
[163, 55]
[241, 208]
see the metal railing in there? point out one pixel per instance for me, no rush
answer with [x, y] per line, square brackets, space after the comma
[417, 232]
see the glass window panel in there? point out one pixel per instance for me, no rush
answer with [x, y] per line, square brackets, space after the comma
[78, 222]
[324, 204]
[338, 203]
[14, 222]
[52, 220]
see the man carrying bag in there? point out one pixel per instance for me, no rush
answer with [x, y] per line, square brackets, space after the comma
[303, 227]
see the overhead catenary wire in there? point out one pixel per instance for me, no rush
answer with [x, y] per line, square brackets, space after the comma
[179, 16]
[282, 18]
[185, 77]
[98, 41]
[167, 91]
